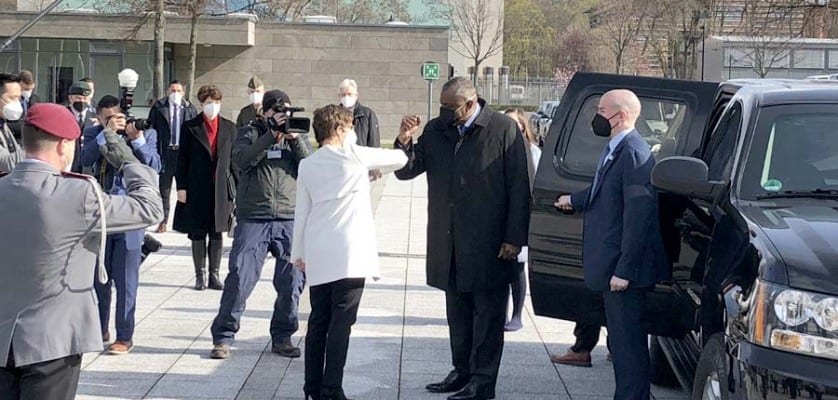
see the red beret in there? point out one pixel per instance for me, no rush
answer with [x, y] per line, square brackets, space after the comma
[54, 119]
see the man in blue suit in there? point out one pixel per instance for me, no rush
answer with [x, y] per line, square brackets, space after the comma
[123, 251]
[623, 254]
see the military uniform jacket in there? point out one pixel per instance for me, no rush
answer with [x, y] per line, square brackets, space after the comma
[49, 254]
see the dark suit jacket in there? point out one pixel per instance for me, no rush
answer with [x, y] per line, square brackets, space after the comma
[478, 199]
[621, 229]
[209, 181]
[89, 121]
[246, 115]
[159, 117]
[366, 126]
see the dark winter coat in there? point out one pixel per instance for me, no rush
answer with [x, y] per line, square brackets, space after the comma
[478, 198]
[210, 185]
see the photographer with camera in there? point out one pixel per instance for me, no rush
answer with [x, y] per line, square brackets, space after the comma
[267, 153]
[123, 253]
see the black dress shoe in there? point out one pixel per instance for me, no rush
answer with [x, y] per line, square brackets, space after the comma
[471, 392]
[452, 383]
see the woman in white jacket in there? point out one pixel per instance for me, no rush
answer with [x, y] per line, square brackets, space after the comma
[334, 242]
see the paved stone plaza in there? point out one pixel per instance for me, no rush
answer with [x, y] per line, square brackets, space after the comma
[398, 345]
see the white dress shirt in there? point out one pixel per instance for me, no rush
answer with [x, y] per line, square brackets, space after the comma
[334, 230]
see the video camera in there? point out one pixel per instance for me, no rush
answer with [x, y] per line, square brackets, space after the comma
[292, 124]
[127, 83]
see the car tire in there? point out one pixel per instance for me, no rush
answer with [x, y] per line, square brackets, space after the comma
[662, 373]
[712, 372]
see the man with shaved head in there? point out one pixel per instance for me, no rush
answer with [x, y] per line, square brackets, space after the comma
[479, 204]
[623, 254]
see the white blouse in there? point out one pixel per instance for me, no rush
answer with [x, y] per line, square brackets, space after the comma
[334, 231]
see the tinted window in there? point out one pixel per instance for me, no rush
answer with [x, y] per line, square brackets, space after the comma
[795, 148]
[719, 155]
[659, 123]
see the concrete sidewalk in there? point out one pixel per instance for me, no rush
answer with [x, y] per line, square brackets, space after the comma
[398, 345]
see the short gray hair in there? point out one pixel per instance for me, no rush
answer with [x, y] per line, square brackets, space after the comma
[462, 87]
[348, 84]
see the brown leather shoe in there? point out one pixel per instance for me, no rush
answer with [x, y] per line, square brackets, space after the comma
[120, 347]
[581, 359]
[161, 228]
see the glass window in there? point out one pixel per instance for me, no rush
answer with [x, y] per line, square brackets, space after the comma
[719, 154]
[814, 59]
[104, 68]
[9, 62]
[833, 59]
[795, 148]
[737, 58]
[658, 124]
[101, 46]
[144, 65]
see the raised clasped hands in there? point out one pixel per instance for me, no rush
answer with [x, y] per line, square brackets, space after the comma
[409, 126]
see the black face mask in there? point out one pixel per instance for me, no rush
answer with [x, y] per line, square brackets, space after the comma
[78, 106]
[602, 125]
[447, 116]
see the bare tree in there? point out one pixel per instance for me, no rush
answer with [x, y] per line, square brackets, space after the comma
[159, 48]
[672, 34]
[620, 22]
[769, 31]
[477, 29]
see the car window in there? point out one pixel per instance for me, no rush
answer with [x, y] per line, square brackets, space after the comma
[719, 154]
[658, 124]
[795, 148]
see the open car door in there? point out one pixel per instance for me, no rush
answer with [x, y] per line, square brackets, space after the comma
[673, 119]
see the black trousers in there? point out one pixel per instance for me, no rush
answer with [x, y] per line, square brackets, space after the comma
[49, 380]
[334, 308]
[166, 178]
[475, 328]
[626, 315]
[587, 328]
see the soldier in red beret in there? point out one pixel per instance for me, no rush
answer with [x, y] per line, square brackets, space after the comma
[56, 222]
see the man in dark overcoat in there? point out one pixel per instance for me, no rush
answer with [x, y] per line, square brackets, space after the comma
[478, 217]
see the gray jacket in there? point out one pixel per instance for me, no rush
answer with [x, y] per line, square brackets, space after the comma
[10, 151]
[267, 186]
[49, 252]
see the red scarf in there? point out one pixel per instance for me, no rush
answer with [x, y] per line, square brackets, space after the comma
[212, 135]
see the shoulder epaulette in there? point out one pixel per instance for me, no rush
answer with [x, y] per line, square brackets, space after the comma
[75, 175]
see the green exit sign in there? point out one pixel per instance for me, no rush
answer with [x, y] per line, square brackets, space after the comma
[430, 71]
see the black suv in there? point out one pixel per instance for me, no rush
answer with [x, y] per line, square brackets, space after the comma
[748, 173]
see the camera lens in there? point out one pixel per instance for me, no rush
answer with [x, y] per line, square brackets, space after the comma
[142, 124]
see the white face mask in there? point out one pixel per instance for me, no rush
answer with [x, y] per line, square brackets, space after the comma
[211, 110]
[256, 97]
[350, 138]
[12, 111]
[348, 101]
[26, 93]
[175, 98]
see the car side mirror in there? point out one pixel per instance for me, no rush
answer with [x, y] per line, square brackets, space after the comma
[686, 176]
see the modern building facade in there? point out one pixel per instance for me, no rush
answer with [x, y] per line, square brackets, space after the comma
[308, 61]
